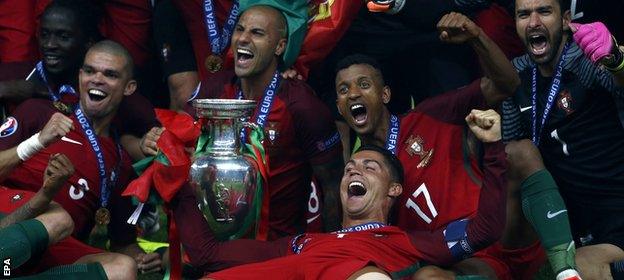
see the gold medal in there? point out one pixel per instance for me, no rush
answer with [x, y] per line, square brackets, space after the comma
[102, 216]
[62, 107]
[213, 63]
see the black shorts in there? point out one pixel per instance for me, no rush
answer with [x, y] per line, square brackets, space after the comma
[594, 223]
[172, 40]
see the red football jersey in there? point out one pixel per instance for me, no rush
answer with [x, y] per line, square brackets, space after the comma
[81, 195]
[335, 256]
[442, 182]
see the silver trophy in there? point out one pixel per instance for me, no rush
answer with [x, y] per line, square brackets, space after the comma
[223, 179]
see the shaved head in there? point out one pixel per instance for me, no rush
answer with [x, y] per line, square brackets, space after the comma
[280, 24]
[114, 48]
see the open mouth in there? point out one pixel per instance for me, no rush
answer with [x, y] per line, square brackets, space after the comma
[358, 112]
[356, 189]
[51, 60]
[97, 95]
[244, 55]
[538, 43]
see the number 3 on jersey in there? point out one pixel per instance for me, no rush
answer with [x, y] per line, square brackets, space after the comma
[411, 204]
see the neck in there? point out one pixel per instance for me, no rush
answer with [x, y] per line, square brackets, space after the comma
[102, 127]
[69, 77]
[349, 222]
[378, 137]
[254, 87]
[548, 69]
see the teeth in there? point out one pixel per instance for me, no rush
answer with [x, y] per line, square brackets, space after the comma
[243, 51]
[97, 92]
[353, 184]
[356, 106]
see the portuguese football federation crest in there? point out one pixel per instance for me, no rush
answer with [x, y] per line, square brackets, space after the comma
[565, 102]
[16, 198]
[271, 132]
[415, 147]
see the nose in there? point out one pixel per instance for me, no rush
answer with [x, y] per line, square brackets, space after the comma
[50, 42]
[354, 92]
[243, 37]
[534, 20]
[97, 78]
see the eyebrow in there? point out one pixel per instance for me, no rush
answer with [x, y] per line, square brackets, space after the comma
[367, 161]
[105, 71]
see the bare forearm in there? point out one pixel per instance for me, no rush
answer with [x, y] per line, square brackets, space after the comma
[132, 145]
[496, 67]
[8, 161]
[34, 207]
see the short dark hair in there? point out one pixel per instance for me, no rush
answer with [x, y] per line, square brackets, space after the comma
[87, 14]
[357, 58]
[563, 4]
[112, 47]
[393, 163]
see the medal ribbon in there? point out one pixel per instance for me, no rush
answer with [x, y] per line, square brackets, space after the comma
[264, 108]
[393, 134]
[297, 248]
[552, 96]
[64, 89]
[99, 155]
[362, 227]
[219, 42]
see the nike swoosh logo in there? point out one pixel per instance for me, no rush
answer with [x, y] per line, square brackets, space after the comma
[522, 109]
[70, 140]
[552, 215]
[313, 218]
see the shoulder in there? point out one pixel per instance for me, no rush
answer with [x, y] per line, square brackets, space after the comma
[522, 63]
[295, 90]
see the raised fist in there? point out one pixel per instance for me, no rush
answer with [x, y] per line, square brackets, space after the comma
[485, 125]
[57, 172]
[57, 127]
[594, 39]
[457, 28]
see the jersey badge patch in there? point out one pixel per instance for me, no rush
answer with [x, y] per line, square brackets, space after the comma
[16, 198]
[565, 102]
[272, 132]
[415, 147]
[8, 127]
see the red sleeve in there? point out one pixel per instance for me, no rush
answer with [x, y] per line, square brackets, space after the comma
[203, 249]
[17, 31]
[128, 22]
[135, 115]
[330, 22]
[314, 124]
[30, 117]
[453, 106]
[486, 226]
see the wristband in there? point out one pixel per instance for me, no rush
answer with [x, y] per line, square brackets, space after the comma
[29, 147]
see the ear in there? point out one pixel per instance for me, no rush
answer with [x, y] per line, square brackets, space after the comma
[131, 86]
[566, 18]
[386, 95]
[395, 190]
[281, 47]
[338, 106]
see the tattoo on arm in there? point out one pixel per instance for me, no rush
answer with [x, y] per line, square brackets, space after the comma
[20, 214]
